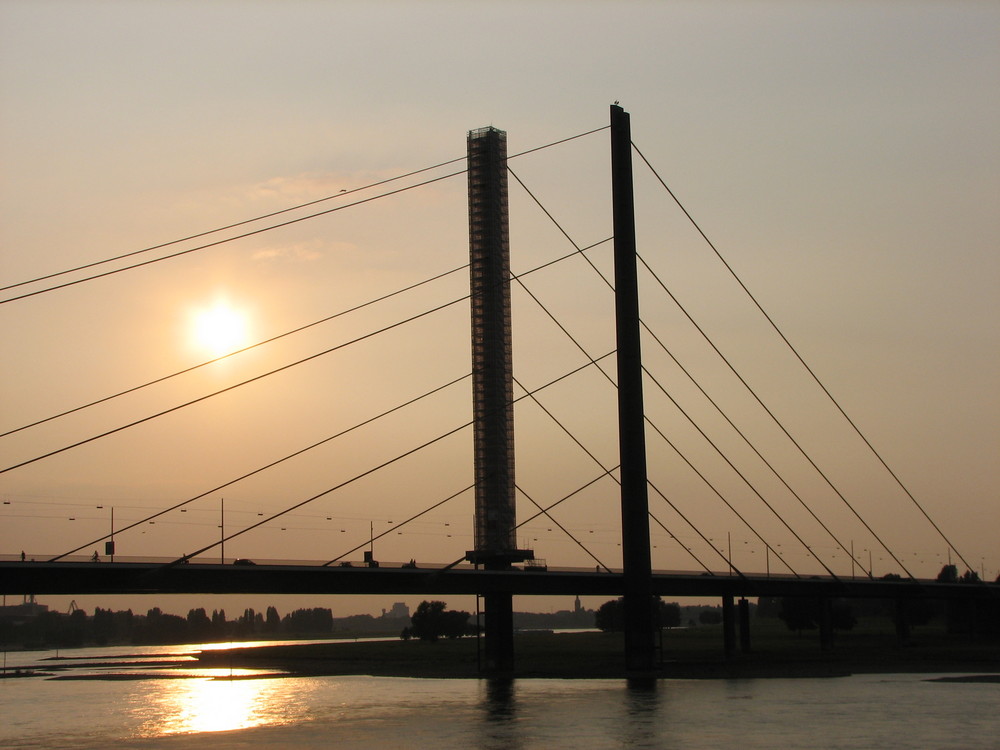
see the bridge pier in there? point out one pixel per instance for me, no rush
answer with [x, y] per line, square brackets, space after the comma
[498, 626]
[825, 624]
[902, 621]
[728, 626]
[744, 613]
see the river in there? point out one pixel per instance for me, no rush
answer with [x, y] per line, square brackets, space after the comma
[861, 711]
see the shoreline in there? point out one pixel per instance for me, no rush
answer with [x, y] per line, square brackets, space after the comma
[581, 656]
[600, 656]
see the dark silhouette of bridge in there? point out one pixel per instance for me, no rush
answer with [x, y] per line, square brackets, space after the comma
[494, 570]
[85, 577]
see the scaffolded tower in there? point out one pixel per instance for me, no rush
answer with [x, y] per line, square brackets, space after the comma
[492, 372]
[492, 383]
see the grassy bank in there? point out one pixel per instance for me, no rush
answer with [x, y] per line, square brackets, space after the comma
[694, 653]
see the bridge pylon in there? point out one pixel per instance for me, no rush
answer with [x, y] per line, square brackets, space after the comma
[636, 562]
[492, 386]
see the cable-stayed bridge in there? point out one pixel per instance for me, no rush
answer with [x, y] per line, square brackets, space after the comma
[756, 497]
[159, 576]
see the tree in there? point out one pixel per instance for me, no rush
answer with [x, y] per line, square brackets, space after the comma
[610, 616]
[967, 616]
[431, 621]
[454, 623]
[199, 623]
[75, 631]
[246, 623]
[102, 625]
[842, 615]
[668, 614]
[799, 613]
[162, 628]
[919, 611]
[272, 622]
[710, 617]
[425, 623]
[767, 606]
[804, 613]
[948, 574]
[315, 620]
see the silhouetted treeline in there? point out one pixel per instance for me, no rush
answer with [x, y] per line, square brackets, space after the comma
[353, 625]
[583, 618]
[610, 616]
[971, 616]
[432, 621]
[54, 629]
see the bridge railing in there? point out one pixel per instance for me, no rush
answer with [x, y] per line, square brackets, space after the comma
[389, 564]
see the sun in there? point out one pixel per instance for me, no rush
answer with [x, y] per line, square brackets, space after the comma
[220, 329]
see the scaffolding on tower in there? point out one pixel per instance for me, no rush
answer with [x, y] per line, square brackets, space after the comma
[492, 371]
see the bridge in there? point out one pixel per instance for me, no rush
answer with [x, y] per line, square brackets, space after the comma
[163, 577]
[498, 566]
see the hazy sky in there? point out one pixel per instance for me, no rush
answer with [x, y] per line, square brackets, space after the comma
[843, 157]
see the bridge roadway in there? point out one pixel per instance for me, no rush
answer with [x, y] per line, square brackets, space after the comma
[128, 577]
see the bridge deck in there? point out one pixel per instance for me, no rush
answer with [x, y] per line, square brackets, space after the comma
[63, 578]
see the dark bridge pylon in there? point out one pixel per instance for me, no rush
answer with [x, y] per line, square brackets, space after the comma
[492, 386]
[636, 562]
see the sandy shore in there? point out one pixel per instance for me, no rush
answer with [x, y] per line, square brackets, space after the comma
[690, 655]
[599, 655]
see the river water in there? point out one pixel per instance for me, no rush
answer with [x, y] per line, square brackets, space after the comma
[862, 711]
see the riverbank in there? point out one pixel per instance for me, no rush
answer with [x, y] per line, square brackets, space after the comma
[599, 655]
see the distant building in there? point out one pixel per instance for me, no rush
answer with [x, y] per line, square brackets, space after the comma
[18, 614]
[399, 611]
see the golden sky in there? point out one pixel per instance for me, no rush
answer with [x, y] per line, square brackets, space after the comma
[843, 157]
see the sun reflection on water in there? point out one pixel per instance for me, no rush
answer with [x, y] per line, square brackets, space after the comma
[217, 705]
